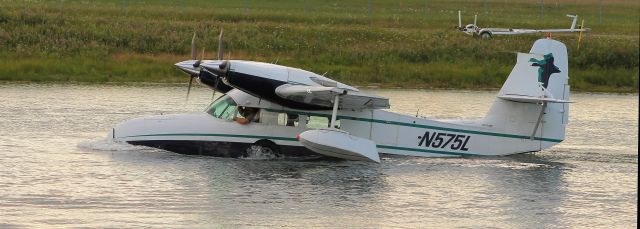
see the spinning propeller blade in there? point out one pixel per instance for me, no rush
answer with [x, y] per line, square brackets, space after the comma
[220, 46]
[210, 73]
[187, 65]
[189, 88]
[193, 46]
[193, 57]
[220, 57]
[195, 65]
[220, 70]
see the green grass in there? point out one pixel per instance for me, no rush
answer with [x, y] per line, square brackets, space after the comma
[397, 45]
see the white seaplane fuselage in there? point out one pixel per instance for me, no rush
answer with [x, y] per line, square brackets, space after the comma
[525, 117]
[393, 133]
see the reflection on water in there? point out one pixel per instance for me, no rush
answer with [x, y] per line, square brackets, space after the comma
[57, 171]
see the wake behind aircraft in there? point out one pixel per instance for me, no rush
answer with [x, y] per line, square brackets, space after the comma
[289, 111]
[487, 33]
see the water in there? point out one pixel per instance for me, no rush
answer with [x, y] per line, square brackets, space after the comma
[56, 170]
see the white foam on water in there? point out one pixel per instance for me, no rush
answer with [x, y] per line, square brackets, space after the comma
[107, 144]
[261, 153]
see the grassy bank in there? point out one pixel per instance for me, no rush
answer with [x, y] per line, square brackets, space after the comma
[394, 44]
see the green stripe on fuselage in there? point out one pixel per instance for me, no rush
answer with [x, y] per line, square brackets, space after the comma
[422, 126]
[294, 139]
[427, 151]
[217, 135]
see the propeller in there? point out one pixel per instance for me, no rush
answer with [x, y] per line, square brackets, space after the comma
[195, 65]
[220, 57]
[197, 68]
[189, 88]
[194, 54]
[193, 46]
[220, 45]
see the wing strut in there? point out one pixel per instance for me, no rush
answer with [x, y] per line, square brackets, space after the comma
[334, 142]
[334, 114]
[544, 106]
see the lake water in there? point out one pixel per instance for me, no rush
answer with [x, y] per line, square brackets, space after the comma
[56, 170]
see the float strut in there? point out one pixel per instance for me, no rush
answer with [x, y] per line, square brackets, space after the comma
[335, 111]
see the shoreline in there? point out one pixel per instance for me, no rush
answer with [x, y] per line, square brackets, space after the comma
[359, 86]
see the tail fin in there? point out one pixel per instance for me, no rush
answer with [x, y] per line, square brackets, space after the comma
[534, 99]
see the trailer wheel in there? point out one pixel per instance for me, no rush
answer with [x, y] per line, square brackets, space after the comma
[485, 35]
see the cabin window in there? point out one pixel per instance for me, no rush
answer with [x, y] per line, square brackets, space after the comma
[224, 108]
[229, 113]
[317, 122]
[285, 119]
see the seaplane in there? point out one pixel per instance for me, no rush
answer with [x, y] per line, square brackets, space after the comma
[288, 111]
[487, 33]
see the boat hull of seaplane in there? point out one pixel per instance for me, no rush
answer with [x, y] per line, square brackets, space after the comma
[393, 134]
[202, 134]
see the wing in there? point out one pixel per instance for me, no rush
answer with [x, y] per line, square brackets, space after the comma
[324, 96]
[514, 31]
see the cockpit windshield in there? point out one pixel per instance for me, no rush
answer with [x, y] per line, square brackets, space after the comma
[224, 108]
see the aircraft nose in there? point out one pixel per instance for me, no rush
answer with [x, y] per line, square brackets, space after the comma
[187, 67]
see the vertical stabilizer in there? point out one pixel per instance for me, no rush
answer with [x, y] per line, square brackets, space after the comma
[557, 84]
[554, 69]
[534, 99]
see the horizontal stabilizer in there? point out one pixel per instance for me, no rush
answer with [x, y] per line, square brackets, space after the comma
[530, 99]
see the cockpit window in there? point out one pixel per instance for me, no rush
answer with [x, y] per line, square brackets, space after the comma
[229, 113]
[224, 108]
